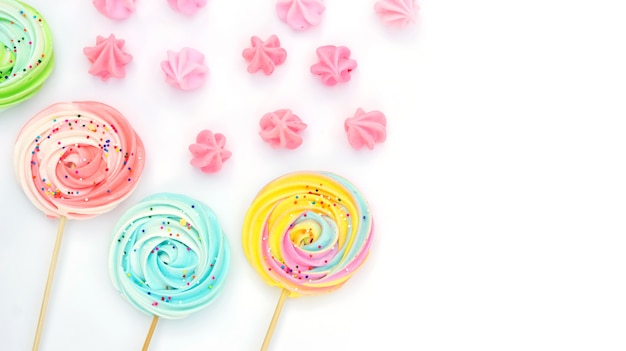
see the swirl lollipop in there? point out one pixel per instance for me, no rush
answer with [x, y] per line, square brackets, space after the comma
[26, 56]
[169, 257]
[76, 160]
[306, 233]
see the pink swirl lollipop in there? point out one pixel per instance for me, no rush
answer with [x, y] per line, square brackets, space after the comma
[76, 160]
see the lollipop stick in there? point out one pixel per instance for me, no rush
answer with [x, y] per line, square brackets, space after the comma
[270, 330]
[53, 264]
[150, 332]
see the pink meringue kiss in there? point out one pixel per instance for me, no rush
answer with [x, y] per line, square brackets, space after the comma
[264, 55]
[185, 70]
[300, 14]
[187, 7]
[208, 152]
[334, 64]
[115, 9]
[280, 129]
[366, 129]
[107, 58]
[398, 13]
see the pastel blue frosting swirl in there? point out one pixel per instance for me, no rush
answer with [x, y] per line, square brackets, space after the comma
[169, 256]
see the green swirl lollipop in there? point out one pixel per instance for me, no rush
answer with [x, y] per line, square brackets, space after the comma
[26, 56]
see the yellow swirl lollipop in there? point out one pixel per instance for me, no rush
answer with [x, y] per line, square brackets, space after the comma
[307, 233]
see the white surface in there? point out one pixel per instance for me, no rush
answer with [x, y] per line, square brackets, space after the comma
[499, 195]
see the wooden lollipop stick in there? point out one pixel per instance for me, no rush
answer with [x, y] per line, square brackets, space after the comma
[46, 294]
[146, 343]
[270, 330]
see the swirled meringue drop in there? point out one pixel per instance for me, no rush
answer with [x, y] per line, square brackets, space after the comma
[169, 256]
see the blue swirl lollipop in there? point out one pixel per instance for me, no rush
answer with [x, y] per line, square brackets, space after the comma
[169, 256]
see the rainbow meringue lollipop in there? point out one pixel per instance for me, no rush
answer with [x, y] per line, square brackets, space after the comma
[307, 233]
[26, 54]
[76, 161]
[169, 257]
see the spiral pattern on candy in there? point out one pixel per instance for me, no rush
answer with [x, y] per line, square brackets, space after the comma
[307, 232]
[26, 55]
[169, 256]
[78, 159]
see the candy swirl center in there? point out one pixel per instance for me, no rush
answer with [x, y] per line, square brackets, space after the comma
[81, 167]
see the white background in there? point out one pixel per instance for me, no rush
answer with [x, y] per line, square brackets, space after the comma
[499, 195]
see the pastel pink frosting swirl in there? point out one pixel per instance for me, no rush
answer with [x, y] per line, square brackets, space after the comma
[300, 14]
[115, 9]
[78, 159]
